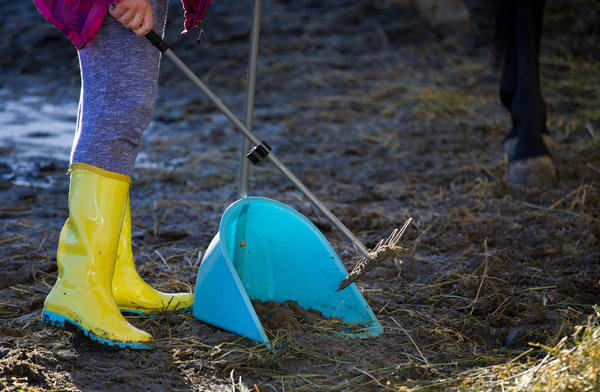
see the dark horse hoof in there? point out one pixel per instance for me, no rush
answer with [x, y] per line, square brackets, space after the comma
[535, 172]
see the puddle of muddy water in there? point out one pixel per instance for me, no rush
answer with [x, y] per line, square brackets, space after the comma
[31, 127]
[35, 138]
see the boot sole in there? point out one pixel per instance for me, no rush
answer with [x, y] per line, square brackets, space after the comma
[57, 320]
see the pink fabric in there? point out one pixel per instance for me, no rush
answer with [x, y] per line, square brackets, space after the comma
[80, 19]
[194, 10]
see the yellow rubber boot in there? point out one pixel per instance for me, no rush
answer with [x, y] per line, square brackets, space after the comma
[86, 255]
[130, 292]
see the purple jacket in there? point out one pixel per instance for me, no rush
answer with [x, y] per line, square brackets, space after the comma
[80, 19]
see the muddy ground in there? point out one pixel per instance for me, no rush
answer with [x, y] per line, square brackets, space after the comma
[381, 115]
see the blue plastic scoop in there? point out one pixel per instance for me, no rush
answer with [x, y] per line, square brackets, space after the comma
[284, 257]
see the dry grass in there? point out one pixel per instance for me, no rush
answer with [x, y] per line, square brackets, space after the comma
[571, 365]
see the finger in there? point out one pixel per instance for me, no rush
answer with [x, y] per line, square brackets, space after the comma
[116, 12]
[136, 22]
[147, 24]
[143, 29]
[126, 18]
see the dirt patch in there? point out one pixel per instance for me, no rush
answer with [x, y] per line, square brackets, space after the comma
[383, 118]
[287, 315]
[37, 368]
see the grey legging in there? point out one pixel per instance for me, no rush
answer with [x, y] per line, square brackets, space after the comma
[119, 79]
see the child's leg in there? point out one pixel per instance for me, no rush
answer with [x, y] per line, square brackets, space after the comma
[119, 82]
[119, 77]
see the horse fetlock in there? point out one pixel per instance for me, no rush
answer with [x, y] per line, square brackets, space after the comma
[510, 146]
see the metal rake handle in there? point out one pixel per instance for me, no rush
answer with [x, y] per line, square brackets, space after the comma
[261, 149]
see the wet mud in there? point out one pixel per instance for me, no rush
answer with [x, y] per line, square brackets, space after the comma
[284, 316]
[383, 117]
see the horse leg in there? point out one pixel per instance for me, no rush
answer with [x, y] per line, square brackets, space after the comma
[529, 161]
[505, 29]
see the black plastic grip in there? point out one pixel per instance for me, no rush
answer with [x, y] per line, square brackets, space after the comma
[257, 153]
[157, 41]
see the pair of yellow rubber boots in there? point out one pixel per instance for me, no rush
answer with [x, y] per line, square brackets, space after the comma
[97, 279]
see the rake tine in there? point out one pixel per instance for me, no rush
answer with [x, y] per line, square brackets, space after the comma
[404, 227]
[366, 263]
[379, 245]
[398, 233]
[393, 238]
